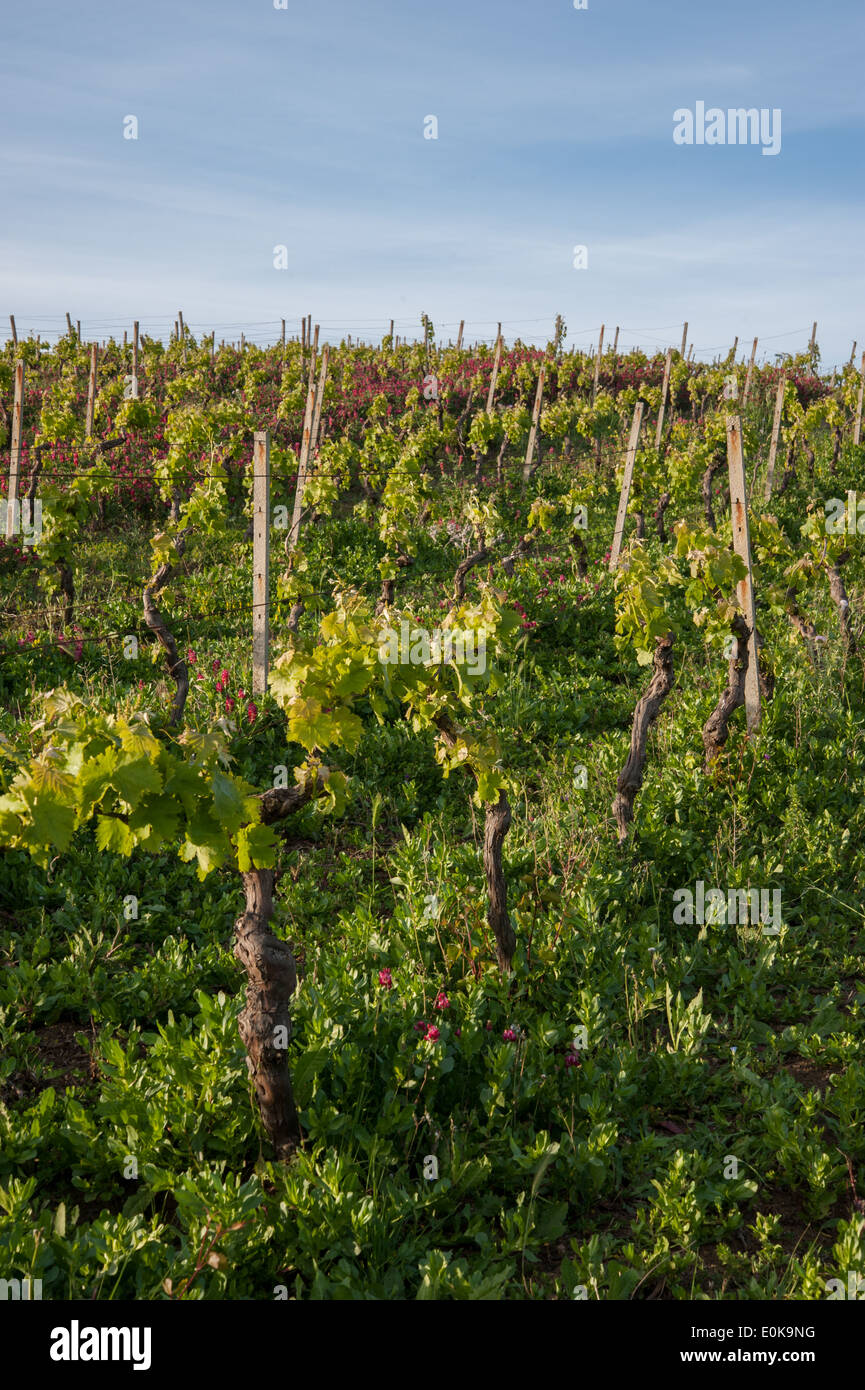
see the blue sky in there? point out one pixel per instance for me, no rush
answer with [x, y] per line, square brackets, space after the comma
[304, 127]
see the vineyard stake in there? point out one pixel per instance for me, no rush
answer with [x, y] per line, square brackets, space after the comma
[496, 359]
[260, 559]
[598, 364]
[616, 341]
[660, 426]
[684, 338]
[742, 547]
[616, 547]
[749, 373]
[849, 364]
[857, 428]
[15, 334]
[735, 345]
[15, 450]
[69, 323]
[319, 396]
[776, 430]
[294, 533]
[91, 392]
[460, 334]
[533, 432]
[813, 337]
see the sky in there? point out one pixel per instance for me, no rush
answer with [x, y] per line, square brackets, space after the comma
[304, 127]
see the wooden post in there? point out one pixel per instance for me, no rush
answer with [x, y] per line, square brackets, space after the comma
[735, 345]
[776, 430]
[283, 335]
[309, 330]
[684, 338]
[315, 342]
[616, 547]
[319, 396]
[498, 330]
[91, 393]
[742, 547]
[260, 559]
[660, 426]
[857, 428]
[749, 373]
[813, 337]
[78, 329]
[243, 342]
[15, 451]
[460, 334]
[180, 323]
[15, 333]
[616, 341]
[598, 364]
[294, 533]
[496, 359]
[68, 323]
[533, 432]
[849, 364]
[135, 352]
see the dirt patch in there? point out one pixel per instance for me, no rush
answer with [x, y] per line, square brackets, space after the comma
[810, 1075]
[58, 1061]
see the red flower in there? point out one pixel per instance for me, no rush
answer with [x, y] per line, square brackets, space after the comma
[251, 712]
[509, 1035]
[432, 1033]
[384, 979]
[442, 1001]
[229, 705]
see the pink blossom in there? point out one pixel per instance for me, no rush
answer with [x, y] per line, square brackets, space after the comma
[251, 712]
[432, 1033]
[229, 705]
[442, 1001]
[509, 1035]
[384, 979]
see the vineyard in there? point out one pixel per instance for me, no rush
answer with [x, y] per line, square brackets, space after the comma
[432, 821]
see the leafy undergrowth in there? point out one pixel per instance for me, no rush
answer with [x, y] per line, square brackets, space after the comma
[700, 1141]
[646, 1108]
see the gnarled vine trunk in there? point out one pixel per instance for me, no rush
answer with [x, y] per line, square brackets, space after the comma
[154, 620]
[717, 727]
[842, 604]
[265, 1022]
[497, 822]
[663, 504]
[647, 710]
